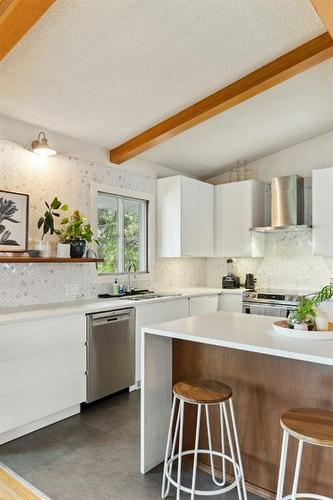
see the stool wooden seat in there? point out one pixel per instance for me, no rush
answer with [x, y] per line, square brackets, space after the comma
[312, 425]
[202, 391]
[308, 425]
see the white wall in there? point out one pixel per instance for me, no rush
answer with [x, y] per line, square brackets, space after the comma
[68, 175]
[24, 133]
[300, 159]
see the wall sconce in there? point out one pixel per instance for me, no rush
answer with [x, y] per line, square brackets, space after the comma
[40, 146]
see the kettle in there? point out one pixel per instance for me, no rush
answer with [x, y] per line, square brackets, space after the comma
[250, 282]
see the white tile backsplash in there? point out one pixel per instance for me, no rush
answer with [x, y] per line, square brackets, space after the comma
[288, 264]
[70, 179]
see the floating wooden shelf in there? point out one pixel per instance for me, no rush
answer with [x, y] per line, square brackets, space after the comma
[25, 259]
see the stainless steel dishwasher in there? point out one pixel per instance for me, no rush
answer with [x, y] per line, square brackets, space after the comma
[110, 352]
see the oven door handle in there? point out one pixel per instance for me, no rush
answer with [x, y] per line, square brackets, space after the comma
[260, 304]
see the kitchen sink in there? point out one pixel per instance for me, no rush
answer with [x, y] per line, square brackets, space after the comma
[147, 296]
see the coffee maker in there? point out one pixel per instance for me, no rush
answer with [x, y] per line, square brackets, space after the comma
[250, 282]
[231, 280]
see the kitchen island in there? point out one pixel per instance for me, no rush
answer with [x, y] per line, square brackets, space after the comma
[268, 373]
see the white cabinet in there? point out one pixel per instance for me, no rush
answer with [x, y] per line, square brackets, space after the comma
[322, 203]
[204, 305]
[238, 207]
[42, 373]
[176, 309]
[149, 314]
[231, 302]
[185, 217]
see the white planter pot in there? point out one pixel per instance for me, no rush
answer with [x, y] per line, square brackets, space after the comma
[63, 250]
[44, 247]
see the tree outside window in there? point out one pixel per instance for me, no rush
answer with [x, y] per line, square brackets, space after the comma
[122, 233]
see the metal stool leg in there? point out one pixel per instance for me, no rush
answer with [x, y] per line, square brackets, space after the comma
[297, 469]
[165, 490]
[237, 447]
[232, 451]
[196, 447]
[180, 448]
[210, 446]
[283, 463]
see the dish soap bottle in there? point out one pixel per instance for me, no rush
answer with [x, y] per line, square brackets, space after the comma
[116, 287]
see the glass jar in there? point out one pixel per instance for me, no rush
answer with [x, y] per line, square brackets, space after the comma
[308, 323]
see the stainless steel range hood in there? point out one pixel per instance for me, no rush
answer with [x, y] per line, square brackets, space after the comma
[287, 207]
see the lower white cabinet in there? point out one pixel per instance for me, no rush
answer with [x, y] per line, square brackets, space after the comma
[231, 303]
[204, 305]
[176, 309]
[42, 373]
[149, 314]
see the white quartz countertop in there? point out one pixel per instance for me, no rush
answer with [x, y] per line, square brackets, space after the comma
[252, 333]
[70, 308]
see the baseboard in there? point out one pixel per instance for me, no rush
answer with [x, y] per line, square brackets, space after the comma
[252, 488]
[5, 437]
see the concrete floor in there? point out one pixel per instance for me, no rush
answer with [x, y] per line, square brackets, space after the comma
[91, 456]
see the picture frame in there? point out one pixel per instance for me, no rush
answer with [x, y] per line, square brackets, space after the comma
[14, 220]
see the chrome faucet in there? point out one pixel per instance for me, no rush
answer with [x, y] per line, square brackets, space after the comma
[129, 269]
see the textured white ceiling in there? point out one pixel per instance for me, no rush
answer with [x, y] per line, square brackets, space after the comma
[105, 70]
[292, 112]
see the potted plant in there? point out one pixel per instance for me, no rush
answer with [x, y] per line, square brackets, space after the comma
[46, 222]
[78, 233]
[304, 316]
[63, 247]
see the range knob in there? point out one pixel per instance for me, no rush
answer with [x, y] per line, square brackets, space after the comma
[253, 295]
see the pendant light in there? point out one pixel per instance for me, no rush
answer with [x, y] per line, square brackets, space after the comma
[40, 146]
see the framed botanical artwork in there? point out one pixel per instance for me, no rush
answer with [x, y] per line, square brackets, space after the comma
[14, 210]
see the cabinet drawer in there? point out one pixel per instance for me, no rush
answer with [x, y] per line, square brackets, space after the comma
[33, 337]
[204, 305]
[176, 309]
[21, 374]
[25, 407]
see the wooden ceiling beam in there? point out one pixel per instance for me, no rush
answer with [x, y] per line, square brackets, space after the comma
[300, 59]
[324, 9]
[16, 18]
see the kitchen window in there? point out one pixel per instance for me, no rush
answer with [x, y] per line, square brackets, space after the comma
[122, 232]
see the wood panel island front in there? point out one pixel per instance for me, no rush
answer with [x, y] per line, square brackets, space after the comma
[268, 373]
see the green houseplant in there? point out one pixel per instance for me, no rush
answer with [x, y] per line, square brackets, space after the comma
[47, 223]
[77, 232]
[303, 317]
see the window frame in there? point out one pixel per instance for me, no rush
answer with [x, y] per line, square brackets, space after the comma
[97, 188]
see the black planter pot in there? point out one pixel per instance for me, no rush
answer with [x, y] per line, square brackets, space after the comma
[78, 247]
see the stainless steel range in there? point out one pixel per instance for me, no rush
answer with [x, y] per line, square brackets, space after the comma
[270, 302]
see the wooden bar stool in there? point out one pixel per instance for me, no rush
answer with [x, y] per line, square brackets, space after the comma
[203, 394]
[307, 425]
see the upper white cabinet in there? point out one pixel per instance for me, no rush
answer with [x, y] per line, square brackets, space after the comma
[322, 220]
[185, 217]
[238, 207]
